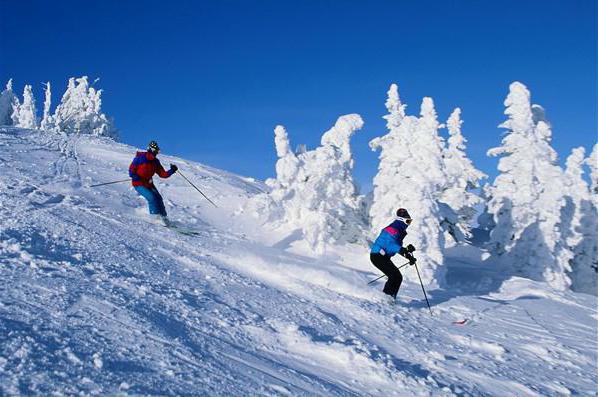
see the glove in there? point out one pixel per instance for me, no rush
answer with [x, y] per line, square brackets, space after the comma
[173, 168]
[410, 248]
[411, 258]
[404, 252]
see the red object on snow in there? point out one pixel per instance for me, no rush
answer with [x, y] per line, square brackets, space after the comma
[460, 322]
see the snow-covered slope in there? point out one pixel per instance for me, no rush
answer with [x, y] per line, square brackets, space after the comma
[96, 299]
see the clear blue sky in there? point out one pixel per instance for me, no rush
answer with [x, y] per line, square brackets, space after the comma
[210, 80]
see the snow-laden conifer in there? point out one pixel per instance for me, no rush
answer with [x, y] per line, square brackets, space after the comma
[47, 122]
[314, 190]
[8, 104]
[592, 162]
[24, 115]
[583, 237]
[462, 178]
[410, 175]
[394, 151]
[79, 112]
[528, 198]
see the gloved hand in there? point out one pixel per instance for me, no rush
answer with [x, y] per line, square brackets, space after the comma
[411, 258]
[173, 168]
[403, 252]
[410, 248]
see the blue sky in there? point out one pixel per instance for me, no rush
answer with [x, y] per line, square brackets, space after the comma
[210, 80]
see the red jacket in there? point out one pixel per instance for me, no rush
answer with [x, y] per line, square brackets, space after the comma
[143, 167]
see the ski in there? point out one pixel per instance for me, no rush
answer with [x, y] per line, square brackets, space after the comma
[461, 322]
[183, 231]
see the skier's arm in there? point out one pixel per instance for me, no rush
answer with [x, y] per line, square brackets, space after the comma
[407, 252]
[162, 172]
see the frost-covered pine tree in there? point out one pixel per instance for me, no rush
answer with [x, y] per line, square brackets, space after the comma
[393, 153]
[24, 115]
[462, 178]
[410, 175]
[314, 190]
[8, 103]
[47, 122]
[527, 197]
[79, 112]
[330, 205]
[583, 237]
[592, 162]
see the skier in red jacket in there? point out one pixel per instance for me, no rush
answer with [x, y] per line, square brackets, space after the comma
[141, 171]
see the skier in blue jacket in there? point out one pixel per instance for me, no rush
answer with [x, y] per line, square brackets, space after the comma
[389, 243]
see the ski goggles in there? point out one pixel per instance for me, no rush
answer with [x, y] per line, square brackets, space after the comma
[406, 220]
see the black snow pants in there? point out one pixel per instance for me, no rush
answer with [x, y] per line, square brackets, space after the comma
[395, 278]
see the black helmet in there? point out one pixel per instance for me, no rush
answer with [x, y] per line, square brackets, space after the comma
[153, 147]
[403, 215]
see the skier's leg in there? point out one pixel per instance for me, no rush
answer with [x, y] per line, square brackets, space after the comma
[395, 278]
[159, 201]
[150, 197]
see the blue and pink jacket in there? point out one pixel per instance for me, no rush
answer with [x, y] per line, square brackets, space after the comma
[143, 167]
[390, 239]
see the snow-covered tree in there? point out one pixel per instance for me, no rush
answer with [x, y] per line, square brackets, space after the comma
[410, 175]
[393, 153]
[79, 112]
[24, 115]
[583, 237]
[314, 190]
[528, 198]
[8, 104]
[47, 122]
[462, 179]
[592, 162]
[284, 185]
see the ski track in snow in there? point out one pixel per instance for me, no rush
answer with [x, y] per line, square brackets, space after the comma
[98, 300]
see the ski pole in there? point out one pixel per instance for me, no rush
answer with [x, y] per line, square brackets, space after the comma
[206, 197]
[422, 284]
[384, 275]
[109, 183]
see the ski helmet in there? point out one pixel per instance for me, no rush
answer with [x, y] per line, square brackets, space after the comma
[153, 147]
[403, 215]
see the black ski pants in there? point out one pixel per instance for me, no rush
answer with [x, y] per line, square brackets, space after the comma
[395, 278]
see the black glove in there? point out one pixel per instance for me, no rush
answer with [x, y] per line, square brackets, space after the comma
[410, 248]
[403, 252]
[173, 168]
[411, 258]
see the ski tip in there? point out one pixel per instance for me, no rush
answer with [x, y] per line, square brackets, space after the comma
[460, 322]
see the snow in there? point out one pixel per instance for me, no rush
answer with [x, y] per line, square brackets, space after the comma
[97, 300]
